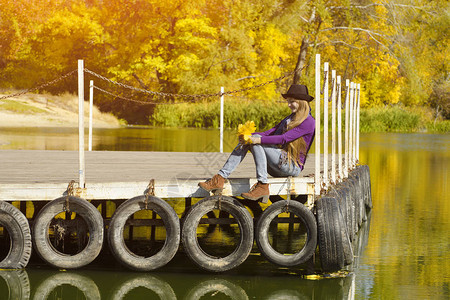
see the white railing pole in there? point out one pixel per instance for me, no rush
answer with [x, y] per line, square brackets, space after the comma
[350, 130]
[221, 119]
[317, 186]
[91, 104]
[347, 96]
[355, 103]
[357, 123]
[339, 126]
[325, 126]
[333, 126]
[81, 123]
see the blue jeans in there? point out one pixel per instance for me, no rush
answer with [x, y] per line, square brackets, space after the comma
[267, 160]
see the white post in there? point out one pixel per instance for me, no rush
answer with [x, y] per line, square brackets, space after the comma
[221, 120]
[325, 126]
[357, 122]
[91, 104]
[347, 85]
[333, 127]
[355, 100]
[350, 130]
[81, 122]
[339, 105]
[317, 187]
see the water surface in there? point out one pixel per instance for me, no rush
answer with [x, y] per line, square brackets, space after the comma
[404, 255]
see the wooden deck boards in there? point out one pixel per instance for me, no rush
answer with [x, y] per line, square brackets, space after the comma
[119, 174]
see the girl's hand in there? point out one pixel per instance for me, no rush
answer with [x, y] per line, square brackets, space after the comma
[255, 140]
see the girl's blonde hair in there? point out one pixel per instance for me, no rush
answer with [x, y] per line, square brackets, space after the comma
[297, 146]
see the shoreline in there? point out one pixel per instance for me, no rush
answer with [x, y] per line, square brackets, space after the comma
[42, 110]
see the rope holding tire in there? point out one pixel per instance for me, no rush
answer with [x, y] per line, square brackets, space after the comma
[41, 237]
[262, 233]
[189, 233]
[116, 227]
[16, 224]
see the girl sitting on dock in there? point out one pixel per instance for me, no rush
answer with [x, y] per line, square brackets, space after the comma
[280, 151]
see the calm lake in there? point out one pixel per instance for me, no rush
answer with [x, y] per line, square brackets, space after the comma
[403, 250]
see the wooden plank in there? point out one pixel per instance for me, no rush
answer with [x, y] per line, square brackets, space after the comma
[44, 175]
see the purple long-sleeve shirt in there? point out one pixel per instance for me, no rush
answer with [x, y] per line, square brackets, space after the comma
[276, 136]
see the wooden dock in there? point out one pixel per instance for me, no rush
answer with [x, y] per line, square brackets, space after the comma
[69, 230]
[44, 175]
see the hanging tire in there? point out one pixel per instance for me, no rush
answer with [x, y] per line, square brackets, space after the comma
[94, 224]
[354, 205]
[117, 243]
[334, 245]
[82, 283]
[190, 240]
[346, 209]
[357, 178]
[17, 284]
[368, 187]
[262, 233]
[16, 224]
[158, 286]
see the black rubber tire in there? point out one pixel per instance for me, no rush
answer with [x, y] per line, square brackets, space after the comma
[17, 283]
[152, 283]
[213, 286]
[357, 179]
[346, 209]
[354, 205]
[368, 187]
[189, 233]
[82, 283]
[357, 199]
[44, 247]
[117, 243]
[262, 233]
[334, 244]
[16, 224]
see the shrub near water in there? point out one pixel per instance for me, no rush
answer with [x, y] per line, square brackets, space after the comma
[389, 119]
[268, 114]
[207, 114]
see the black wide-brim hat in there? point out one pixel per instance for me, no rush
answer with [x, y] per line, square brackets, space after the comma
[298, 91]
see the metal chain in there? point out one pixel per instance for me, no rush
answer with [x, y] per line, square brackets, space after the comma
[123, 98]
[40, 86]
[197, 96]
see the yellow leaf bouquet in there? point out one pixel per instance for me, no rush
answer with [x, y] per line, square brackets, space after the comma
[246, 130]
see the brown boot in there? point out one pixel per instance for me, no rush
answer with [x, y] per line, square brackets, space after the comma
[258, 190]
[213, 184]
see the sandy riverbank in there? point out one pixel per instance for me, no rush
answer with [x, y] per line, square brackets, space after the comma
[42, 110]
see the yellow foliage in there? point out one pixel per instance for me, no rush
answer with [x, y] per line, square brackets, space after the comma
[245, 131]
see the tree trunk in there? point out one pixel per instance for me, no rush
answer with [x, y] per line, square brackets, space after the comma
[301, 60]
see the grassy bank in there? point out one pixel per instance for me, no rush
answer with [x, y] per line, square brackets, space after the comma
[45, 110]
[266, 115]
